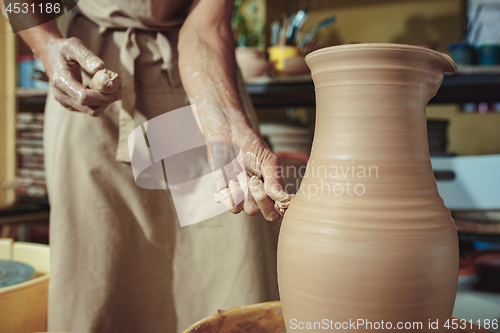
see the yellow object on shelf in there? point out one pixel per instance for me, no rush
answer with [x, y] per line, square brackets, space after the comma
[261, 317]
[23, 307]
[278, 54]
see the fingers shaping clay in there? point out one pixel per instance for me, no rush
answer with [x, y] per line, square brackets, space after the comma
[105, 81]
[367, 239]
[282, 206]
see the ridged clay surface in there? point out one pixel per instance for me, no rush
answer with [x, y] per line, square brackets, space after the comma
[391, 253]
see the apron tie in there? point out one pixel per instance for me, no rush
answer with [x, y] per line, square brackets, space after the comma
[168, 52]
[129, 51]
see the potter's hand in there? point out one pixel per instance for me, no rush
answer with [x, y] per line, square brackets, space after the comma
[64, 60]
[207, 66]
[250, 178]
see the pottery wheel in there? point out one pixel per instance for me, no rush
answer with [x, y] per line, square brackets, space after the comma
[12, 272]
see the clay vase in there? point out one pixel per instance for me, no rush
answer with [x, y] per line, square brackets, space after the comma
[367, 237]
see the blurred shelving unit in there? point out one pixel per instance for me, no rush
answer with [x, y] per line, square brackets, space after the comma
[31, 92]
[32, 95]
[470, 84]
[15, 211]
[477, 225]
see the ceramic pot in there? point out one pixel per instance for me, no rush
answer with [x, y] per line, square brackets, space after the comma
[252, 62]
[253, 318]
[367, 237]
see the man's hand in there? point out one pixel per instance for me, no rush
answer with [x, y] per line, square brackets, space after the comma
[207, 65]
[63, 61]
[251, 171]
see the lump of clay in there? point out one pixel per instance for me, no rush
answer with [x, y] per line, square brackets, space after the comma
[105, 81]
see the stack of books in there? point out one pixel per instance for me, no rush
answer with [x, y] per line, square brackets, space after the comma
[30, 178]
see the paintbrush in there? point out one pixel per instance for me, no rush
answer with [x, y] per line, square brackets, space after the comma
[282, 41]
[315, 30]
[295, 26]
[275, 33]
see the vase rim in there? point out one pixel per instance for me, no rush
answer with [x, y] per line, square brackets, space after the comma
[379, 46]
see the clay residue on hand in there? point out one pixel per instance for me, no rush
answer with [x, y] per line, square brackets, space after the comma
[282, 205]
[105, 81]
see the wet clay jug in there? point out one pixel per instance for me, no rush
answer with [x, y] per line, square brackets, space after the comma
[367, 244]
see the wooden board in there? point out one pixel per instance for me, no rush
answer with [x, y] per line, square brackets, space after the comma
[7, 111]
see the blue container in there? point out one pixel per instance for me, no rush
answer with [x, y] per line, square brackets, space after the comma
[37, 83]
[461, 53]
[480, 246]
[488, 55]
[25, 65]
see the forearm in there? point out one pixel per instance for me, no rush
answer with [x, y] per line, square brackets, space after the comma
[63, 59]
[40, 37]
[36, 36]
[208, 69]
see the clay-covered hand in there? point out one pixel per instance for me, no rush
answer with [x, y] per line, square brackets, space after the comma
[250, 179]
[65, 59]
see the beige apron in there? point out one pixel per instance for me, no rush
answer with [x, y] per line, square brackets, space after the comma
[120, 260]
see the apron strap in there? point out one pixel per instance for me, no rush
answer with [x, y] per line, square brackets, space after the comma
[129, 52]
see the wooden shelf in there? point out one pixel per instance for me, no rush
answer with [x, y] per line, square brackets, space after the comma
[471, 84]
[475, 69]
[478, 225]
[31, 92]
[25, 213]
[32, 95]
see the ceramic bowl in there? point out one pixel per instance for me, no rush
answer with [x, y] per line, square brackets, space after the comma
[23, 306]
[261, 317]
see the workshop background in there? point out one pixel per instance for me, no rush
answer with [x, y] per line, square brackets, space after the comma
[272, 37]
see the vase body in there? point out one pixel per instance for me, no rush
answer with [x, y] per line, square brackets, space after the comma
[367, 236]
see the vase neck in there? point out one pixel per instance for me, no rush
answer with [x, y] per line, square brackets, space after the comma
[371, 101]
[358, 122]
